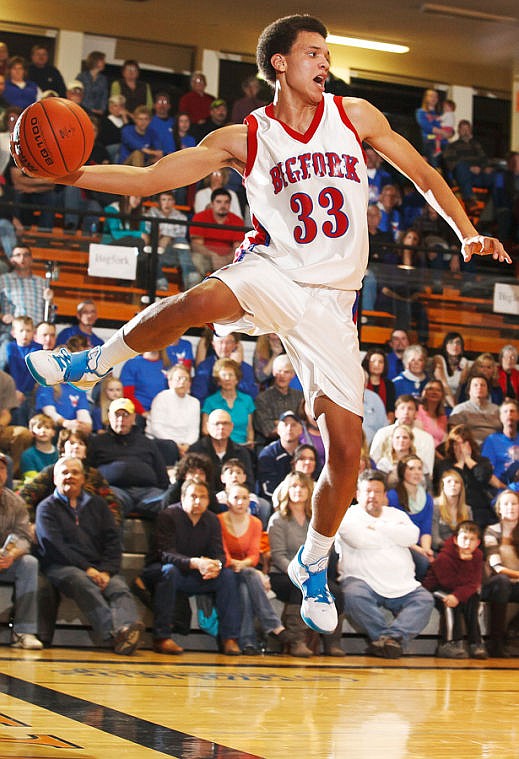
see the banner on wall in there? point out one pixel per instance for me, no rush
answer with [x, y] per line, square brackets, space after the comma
[112, 261]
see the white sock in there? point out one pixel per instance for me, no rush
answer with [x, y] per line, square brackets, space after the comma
[114, 351]
[317, 547]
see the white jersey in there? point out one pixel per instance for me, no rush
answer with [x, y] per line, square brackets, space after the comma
[308, 195]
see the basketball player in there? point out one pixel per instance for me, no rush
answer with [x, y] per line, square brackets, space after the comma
[298, 273]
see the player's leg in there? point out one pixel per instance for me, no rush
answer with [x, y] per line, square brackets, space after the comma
[341, 434]
[157, 326]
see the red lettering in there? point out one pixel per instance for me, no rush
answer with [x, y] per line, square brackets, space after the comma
[334, 163]
[319, 164]
[292, 176]
[304, 162]
[277, 179]
[350, 163]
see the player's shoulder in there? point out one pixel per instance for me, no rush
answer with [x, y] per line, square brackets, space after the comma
[365, 117]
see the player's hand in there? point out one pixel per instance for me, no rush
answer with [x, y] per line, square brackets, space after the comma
[479, 245]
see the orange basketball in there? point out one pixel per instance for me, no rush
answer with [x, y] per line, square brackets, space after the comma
[52, 138]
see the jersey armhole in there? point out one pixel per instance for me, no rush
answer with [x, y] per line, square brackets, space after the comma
[337, 99]
[252, 143]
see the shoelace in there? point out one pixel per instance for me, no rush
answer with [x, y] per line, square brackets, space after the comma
[316, 587]
[63, 360]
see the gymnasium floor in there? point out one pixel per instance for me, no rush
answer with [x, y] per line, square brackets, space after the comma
[84, 704]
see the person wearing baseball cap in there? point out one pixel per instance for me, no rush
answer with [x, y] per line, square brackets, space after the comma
[217, 118]
[275, 460]
[131, 462]
[17, 565]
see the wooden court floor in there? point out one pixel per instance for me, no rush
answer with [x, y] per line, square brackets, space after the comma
[85, 704]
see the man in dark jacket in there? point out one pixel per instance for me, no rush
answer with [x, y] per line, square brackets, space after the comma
[131, 462]
[80, 552]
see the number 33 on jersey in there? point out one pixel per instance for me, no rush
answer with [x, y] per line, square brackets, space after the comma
[308, 195]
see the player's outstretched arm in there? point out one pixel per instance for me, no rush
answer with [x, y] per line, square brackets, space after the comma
[375, 129]
[224, 147]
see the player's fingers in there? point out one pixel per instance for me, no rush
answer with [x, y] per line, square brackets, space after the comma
[484, 246]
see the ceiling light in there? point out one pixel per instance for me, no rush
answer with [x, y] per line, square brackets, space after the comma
[385, 47]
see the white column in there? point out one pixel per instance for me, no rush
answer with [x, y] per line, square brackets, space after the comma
[69, 46]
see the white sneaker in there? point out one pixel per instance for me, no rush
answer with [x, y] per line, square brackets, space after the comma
[53, 367]
[26, 640]
[318, 608]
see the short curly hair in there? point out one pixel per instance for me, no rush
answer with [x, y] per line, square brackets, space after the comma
[279, 37]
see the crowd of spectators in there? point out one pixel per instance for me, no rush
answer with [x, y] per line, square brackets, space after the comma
[220, 453]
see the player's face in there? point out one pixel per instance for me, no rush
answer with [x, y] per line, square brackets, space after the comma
[306, 66]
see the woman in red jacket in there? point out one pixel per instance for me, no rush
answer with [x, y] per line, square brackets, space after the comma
[508, 375]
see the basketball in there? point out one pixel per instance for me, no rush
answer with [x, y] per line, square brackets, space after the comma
[52, 138]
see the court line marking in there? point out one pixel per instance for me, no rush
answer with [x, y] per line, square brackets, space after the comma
[142, 732]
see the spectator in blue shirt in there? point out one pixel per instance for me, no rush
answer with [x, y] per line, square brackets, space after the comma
[23, 332]
[42, 452]
[140, 144]
[87, 317]
[502, 448]
[203, 382]
[162, 122]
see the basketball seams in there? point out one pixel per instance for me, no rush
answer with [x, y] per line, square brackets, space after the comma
[85, 144]
[27, 141]
[56, 140]
[53, 137]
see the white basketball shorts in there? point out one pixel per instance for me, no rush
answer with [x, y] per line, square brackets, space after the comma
[315, 324]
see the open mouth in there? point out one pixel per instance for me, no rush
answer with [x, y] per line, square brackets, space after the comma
[320, 80]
